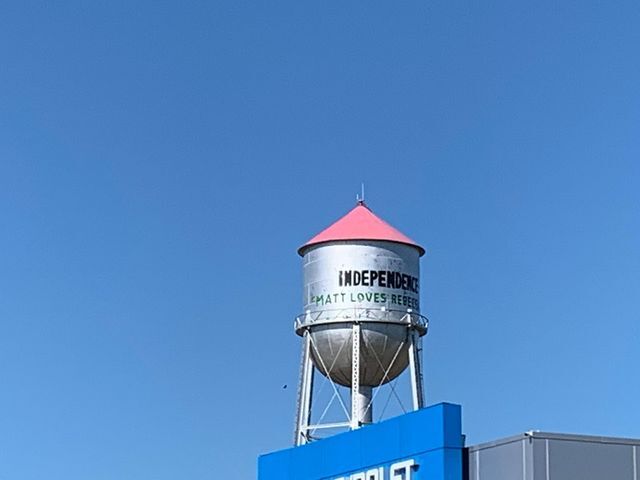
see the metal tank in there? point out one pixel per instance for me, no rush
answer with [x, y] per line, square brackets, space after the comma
[375, 282]
[361, 320]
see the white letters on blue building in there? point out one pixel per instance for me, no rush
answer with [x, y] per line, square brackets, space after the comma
[397, 471]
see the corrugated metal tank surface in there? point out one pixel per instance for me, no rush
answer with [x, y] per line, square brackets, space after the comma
[552, 456]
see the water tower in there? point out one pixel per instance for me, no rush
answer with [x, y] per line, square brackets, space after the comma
[361, 326]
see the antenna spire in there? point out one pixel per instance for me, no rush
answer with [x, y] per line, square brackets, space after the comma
[360, 198]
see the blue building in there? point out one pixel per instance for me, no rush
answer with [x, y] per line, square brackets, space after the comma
[428, 444]
[425, 444]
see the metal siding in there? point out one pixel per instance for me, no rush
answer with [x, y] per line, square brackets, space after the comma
[527, 445]
[539, 459]
[474, 465]
[569, 460]
[502, 462]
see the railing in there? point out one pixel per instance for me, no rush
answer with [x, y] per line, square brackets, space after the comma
[361, 315]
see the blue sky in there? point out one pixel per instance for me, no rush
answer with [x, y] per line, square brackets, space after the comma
[160, 162]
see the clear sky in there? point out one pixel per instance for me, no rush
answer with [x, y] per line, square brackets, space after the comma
[160, 162]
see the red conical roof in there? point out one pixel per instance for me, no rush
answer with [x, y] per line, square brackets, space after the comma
[361, 224]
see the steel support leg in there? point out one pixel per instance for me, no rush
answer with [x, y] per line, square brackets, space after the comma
[305, 388]
[356, 409]
[364, 412]
[415, 365]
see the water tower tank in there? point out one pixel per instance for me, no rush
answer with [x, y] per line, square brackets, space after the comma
[361, 271]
